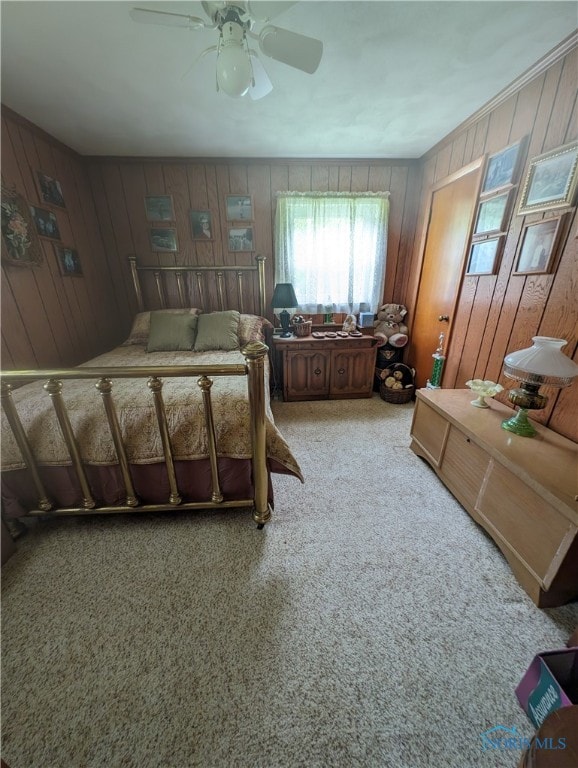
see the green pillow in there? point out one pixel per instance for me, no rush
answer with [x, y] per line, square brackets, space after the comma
[171, 332]
[218, 330]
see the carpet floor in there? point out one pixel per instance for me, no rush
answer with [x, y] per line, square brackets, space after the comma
[370, 624]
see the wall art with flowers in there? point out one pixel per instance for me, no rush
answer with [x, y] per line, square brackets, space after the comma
[20, 243]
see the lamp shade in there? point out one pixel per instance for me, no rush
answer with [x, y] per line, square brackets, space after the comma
[234, 70]
[284, 296]
[542, 363]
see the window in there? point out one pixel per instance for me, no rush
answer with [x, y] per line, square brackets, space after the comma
[332, 247]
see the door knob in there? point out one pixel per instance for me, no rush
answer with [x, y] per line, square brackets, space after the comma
[444, 318]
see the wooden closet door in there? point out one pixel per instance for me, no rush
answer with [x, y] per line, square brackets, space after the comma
[452, 207]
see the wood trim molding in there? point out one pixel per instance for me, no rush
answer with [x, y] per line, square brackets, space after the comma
[538, 68]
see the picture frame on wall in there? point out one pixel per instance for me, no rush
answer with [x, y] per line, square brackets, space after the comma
[484, 254]
[201, 225]
[239, 207]
[163, 240]
[241, 239]
[68, 261]
[20, 244]
[50, 190]
[502, 168]
[539, 245]
[492, 214]
[159, 208]
[45, 222]
[551, 180]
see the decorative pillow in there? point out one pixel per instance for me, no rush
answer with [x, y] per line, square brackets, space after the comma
[218, 330]
[171, 332]
[251, 328]
[139, 333]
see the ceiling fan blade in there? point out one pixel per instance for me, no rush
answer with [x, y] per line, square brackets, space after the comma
[150, 16]
[265, 11]
[201, 55]
[291, 48]
[263, 84]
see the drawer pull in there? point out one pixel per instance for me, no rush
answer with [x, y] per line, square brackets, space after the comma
[317, 371]
[341, 371]
[467, 439]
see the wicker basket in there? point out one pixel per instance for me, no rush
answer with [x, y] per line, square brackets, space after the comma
[403, 395]
[302, 329]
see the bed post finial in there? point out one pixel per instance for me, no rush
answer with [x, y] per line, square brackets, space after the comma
[136, 282]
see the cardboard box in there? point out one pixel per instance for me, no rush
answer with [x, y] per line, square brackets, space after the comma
[550, 682]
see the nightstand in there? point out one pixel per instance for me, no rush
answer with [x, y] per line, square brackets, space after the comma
[327, 368]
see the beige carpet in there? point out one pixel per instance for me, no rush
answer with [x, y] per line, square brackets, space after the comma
[371, 624]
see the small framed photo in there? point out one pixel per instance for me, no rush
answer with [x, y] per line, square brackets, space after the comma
[68, 261]
[20, 244]
[538, 246]
[159, 208]
[163, 240]
[241, 239]
[50, 190]
[239, 207]
[502, 168]
[492, 214]
[551, 180]
[45, 222]
[484, 256]
[201, 225]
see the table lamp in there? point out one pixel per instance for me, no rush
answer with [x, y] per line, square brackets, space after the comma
[541, 364]
[283, 297]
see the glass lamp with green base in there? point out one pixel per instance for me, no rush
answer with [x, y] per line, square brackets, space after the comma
[542, 364]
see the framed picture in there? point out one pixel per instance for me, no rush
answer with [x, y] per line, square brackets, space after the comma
[163, 239]
[45, 222]
[241, 239]
[20, 243]
[491, 216]
[538, 246]
[50, 190]
[502, 168]
[484, 256]
[159, 208]
[239, 208]
[68, 261]
[551, 180]
[201, 225]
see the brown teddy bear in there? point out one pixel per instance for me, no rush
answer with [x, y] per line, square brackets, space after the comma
[389, 327]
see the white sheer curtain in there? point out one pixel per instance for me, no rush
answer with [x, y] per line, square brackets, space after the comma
[332, 247]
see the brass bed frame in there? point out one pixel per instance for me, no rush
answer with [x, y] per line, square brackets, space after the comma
[253, 370]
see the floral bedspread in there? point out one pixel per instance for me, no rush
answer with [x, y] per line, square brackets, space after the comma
[137, 418]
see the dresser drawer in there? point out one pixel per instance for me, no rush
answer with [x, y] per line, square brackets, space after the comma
[463, 467]
[536, 532]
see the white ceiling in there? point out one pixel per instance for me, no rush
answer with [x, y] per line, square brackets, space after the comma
[395, 77]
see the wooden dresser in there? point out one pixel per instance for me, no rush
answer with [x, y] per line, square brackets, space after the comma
[523, 491]
[321, 369]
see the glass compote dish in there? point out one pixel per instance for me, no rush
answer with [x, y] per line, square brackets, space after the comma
[483, 389]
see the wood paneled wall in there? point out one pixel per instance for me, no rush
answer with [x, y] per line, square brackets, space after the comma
[120, 185]
[49, 320]
[497, 314]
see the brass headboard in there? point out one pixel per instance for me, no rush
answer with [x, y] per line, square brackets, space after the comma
[198, 285]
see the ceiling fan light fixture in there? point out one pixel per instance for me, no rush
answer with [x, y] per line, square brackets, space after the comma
[234, 73]
[234, 70]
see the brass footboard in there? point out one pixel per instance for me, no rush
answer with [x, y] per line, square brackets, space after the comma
[254, 370]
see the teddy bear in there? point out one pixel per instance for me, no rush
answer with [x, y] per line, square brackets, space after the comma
[350, 324]
[389, 327]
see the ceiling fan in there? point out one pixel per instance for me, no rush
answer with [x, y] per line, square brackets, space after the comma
[239, 71]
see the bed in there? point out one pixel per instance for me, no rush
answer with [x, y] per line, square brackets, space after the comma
[153, 425]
